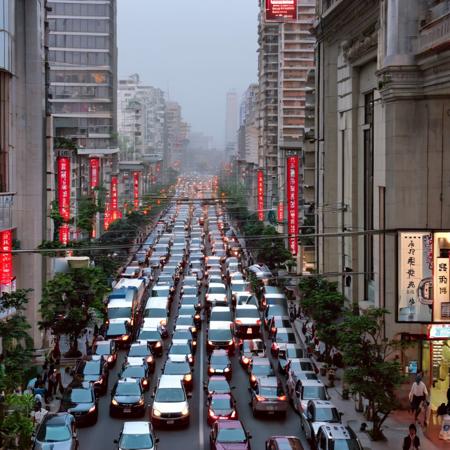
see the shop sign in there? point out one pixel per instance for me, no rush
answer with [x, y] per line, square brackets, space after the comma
[260, 178]
[94, 166]
[136, 189]
[64, 234]
[441, 292]
[280, 215]
[281, 10]
[292, 202]
[440, 331]
[64, 187]
[6, 270]
[114, 194]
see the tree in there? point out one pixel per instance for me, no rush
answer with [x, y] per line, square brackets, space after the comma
[87, 209]
[17, 343]
[372, 371]
[272, 251]
[68, 301]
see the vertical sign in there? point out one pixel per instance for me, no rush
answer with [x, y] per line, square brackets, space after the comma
[64, 234]
[280, 212]
[441, 291]
[6, 270]
[64, 187]
[281, 10]
[94, 166]
[114, 194]
[107, 215]
[292, 202]
[260, 177]
[136, 189]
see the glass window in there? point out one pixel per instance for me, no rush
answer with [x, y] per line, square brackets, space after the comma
[170, 395]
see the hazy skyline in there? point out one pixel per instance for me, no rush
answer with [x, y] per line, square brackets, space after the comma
[193, 50]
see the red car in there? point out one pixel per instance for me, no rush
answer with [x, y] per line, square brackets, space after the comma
[221, 406]
[283, 443]
[249, 349]
[229, 435]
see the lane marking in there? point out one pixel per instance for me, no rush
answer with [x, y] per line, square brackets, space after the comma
[201, 397]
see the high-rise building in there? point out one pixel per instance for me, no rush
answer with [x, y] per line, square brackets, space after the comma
[231, 123]
[22, 148]
[176, 131]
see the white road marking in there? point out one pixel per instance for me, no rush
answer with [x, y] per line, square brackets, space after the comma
[201, 406]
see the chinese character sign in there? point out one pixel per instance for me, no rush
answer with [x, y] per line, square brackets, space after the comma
[281, 10]
[280, 212]
[64, 234]
[136, 189]
[64, 187]
[94, 166]
[441, 290]
[114, 194]
[260, 178]
[6, 269]
[292, 202]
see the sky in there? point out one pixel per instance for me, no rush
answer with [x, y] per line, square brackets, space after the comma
[194, 50]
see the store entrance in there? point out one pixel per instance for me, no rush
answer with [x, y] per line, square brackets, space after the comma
[437, 358]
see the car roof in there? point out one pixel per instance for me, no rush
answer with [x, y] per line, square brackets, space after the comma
[268, 381]
[127, 381]
[121, 320]
[136, 428]
[219, 396]
[219, 325]
[170, 381]
[229, 424]
[246, 306]
[216, 285]
[120, 302]
[220, 309]
[135, 361]
[337, 431]
[322, 404]
[180, 341]
[261, 360]
[314, 383]
[156, 302]
[219, 352]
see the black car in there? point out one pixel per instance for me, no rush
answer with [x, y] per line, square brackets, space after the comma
[121, 331]
[94, 371]
[82, 403]
[137, 369]
[141, 350]
[107, 349]
[181, 368]
[127, 398]
[153, 339]
[219, 364]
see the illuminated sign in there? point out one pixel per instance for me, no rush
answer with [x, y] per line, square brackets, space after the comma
[114, 194]
[94, 166]
[64, 234]
[281, 10]
[280, 212]
[6, 270]
[292, 202]
[136, 189]
[107, 221]
[64, 187]
[439, 331]
[260, 178]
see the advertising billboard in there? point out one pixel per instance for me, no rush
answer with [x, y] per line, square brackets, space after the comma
[64, 234]
[136, 190]
[292, 202]
[281, 10]
[260, 178]
[6, 266]
[64, 187]
[94, 169]
[280, 212]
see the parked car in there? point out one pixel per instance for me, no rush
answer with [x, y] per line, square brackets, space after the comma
[304, 390]
[316, 414]
[336, 436]
[56, 431]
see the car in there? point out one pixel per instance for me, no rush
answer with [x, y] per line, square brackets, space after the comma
[189, 290]
[181, 350]
[272, 311]
[316, 414]
[56, 431]
[193, 300]
[217, 384]
[190, 310]
[94, 371]
[238, 287]
[81, 402]
[247, 322]
[277, 322]
[105, 349]
[219, 336]
[268, 397]
[284, 443]
[137, 369]
[170, 404]
[183, 370]
[161, 290]
[304, 390]
[219, 364]
[141, 350]
[185, 334]
[152, 337]
[260, 367]
[216, 295]
[221, 314]
[127, 398]
[120, 308]
[251, 348]
[298, 365]
[121, 331]
[261, 271]
[271, 292]
[186, 323]
[137, 435]
[221, 407]
[337, 436]
[229, 435]
[245, 298]
[284, 336]
[156, 315]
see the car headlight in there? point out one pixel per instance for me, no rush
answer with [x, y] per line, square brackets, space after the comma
[185, 411]
[91, 409]
[158, 344]
[141, 401]
[227, 369]
[156, 412]
[210, 342]
[114, 402]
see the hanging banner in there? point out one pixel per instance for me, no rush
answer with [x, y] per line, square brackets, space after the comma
[260, 177]
[107, 220]
[280, 212]
[6, 266]
[94, 169]
[292, 202]
[136, 190]
[281, 10]
[64, 234]
[64, 187]
[114, 194]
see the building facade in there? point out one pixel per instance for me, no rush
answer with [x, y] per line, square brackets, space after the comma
[382, 146]
[231, 123]
[176, 134]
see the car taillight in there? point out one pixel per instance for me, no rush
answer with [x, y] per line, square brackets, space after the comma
[145, 382]
[258, 322]
[210, 370]
[233, 414]
[281, 397]
[212, 415]
[158, 344]
[273, 330]
[238, 322]
[260, 398]
[110, 359]
[253, 379]
[125, 337]
[245, 360]
[150, 359]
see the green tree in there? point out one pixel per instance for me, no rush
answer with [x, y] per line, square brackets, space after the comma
[372, 370]
[87, 209]
[68, 301]
[272, 251]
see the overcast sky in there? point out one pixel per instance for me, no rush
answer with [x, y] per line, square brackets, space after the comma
[195, 50]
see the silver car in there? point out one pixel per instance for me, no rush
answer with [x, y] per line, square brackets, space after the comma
[57, 431]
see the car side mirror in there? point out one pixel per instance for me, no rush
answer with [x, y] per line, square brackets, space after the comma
[205, 386]
[157, 441]
[341, 414]
[116, 441]
[249, 436]
[189, 395]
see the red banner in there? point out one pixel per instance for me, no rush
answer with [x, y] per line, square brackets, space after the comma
[260, 195]
[64, 187]
[114, 194]
[6, 266]
[280, 212]
[281, 10]
[64, 234]
[292, 202]
[136, 189]
[107, 215]
[94, 175]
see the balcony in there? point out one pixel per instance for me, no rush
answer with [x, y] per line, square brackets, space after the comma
[6, 203]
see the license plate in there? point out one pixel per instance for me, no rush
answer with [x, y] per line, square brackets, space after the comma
[271, 412]
[127, 410]
[170, 422]
[219, 371]
[249, 331]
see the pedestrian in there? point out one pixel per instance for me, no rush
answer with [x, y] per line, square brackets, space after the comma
[66, 378]
[417, 395]
[411, 442]
[304, 329]
[38, 413]
[96, 330]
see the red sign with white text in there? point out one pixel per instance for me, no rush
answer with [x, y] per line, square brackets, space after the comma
[114, 194]
[94, 166]
[260, 195]
[6, 267]
[136, 189]
[64, 187]
[292, 202]
[281, 10]
[280, 212]
[64, 234]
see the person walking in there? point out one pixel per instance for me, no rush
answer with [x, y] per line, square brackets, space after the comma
[412, 441]
[417, 395]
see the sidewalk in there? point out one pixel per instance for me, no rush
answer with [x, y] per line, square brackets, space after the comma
[395, 428]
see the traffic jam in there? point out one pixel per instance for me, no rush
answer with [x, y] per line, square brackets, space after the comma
[187, 325]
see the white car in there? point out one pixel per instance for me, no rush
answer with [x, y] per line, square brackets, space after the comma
[216, 295]
[137, 435]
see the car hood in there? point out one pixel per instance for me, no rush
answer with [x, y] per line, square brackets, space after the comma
[81, 407]
[216, 296]
[127, 398]
[66, 445]
[231, 446]
[177, 358]
[170, 407]
[152, 322]
[91, 377]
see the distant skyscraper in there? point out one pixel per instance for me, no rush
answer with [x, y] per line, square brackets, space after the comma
[231, 122]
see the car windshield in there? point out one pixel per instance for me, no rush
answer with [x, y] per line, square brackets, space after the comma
[294, 353]
[161, 292]
[219, 360]
[219, 335]
[139, 350]
[116, 329]
[184, 320]
[224, 316]
[103, 348]
[176, 368]
[128, 389]
[81, 396]
[133, 372]
[149, 335]
[220, 403]
[192, 290]
[314, 393]
[180, 349]
[253, 347]
[303, 366]
[218, 386]
[216, 290]
[286, 337]
[117, 313]
[346, 444]
[170, 395]
[155, 313]
[262, 369]
[92, 368]
[269, 391]
[247, 313]
[54, 433]
[135, 441]
[186, 310]
[327, 415]
[239, 287]
[231, 435]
